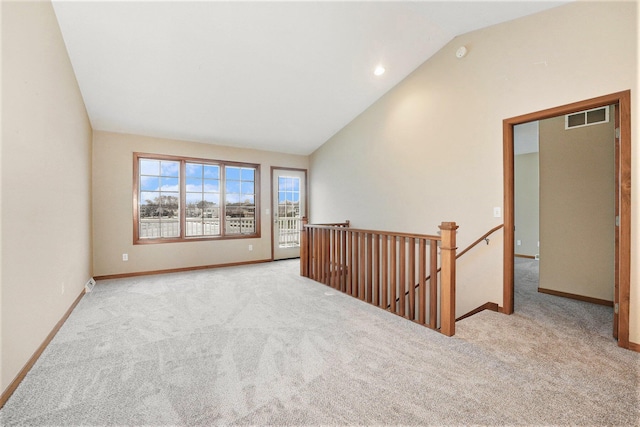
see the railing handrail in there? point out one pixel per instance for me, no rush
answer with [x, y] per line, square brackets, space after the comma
[484, 237]
[467, 249]
[346, 223]
[377, 232]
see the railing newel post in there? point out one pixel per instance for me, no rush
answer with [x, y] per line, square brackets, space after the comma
[304, 250]
[448, 278]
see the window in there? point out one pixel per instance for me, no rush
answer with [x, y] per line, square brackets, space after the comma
[288, 196]
[240, 200]
[159, 207]
[202, 189]
[180, 199]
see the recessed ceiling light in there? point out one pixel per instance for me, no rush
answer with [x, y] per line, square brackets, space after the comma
[379, 70]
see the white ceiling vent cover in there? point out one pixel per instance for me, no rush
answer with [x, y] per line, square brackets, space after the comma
[586, 118]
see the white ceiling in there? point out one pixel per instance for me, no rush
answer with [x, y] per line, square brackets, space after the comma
[279, 76]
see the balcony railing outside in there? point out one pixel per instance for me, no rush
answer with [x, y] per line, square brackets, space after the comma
[289, 231]
[289, 228]
[150, 228]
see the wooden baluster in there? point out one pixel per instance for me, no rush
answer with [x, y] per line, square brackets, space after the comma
[329, 279]
[422, 272]
[392, 273]
[448, 277]
[343, 260]
[363, 265]
[337, 268]
[385, 273]
[327, 257]
[321, 255]
[312, 252]
[354, 264]
[309, 237]
[412, 279]
[402, 285]
[350, 251]
[347, 257]
[317, 254]
[310, 244]
[369, 266]
[335, 262]
[433, 284]
[376, 270]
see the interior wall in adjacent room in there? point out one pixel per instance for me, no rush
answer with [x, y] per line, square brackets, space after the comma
[577, 215]
[527, 204]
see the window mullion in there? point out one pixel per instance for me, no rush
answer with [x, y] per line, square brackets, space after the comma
[203, 204]
[223, 203]
[183, 199]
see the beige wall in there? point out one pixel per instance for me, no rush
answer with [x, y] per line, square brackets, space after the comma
[430, 150]
[577, 215]
[527, 206]
[2, 386]
[46, 183]
[113, 206]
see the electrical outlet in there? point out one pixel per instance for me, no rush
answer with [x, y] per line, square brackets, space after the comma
[125, 257]
[518, 242]
[497, 212]
[250, 247]
[88, 287]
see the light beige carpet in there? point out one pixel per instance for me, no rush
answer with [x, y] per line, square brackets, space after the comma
[260, 345]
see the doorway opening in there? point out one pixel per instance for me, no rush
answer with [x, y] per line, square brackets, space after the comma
[622, 276]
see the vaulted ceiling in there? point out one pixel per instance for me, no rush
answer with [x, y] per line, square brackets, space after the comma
[278, 76]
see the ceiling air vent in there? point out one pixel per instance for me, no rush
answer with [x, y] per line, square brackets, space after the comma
[586, 118]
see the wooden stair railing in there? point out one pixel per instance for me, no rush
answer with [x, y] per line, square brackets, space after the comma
[484, 237]
[376, 266]
[464, 251]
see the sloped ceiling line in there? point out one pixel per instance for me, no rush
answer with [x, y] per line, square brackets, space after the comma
[277, 76]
